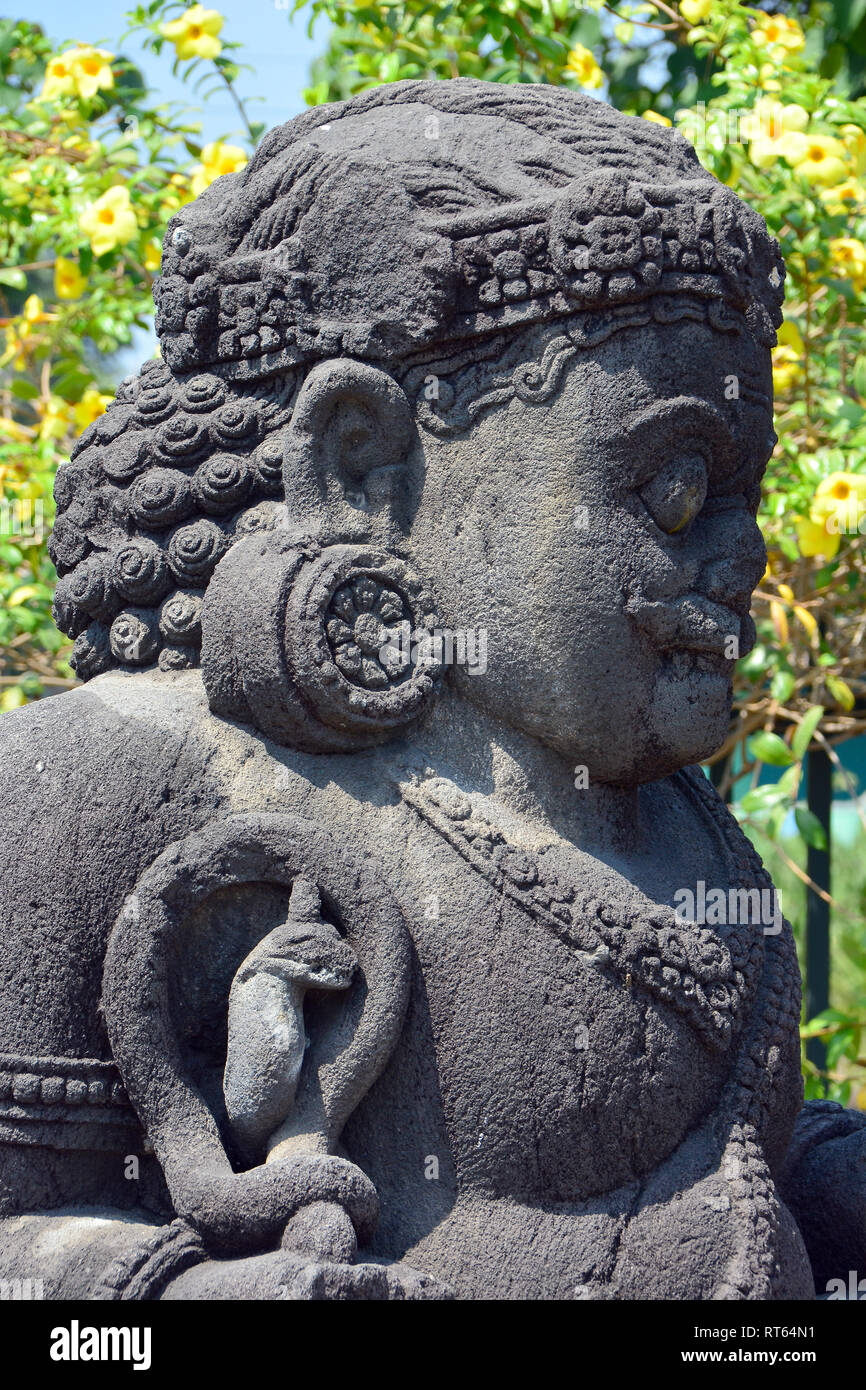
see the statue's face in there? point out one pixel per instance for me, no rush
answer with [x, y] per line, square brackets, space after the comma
[606, 542]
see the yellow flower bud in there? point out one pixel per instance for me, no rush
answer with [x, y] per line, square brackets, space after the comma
[69, 283]
[695, 10]
[807, 619]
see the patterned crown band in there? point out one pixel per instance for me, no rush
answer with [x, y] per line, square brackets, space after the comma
[599, 242]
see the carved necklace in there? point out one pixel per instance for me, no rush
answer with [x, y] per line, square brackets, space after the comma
[706, 977]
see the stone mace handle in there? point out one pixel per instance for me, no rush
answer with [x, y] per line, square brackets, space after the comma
[266, 1046]
[240, 1212]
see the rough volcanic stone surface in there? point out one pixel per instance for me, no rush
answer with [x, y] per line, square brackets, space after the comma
[344, 950]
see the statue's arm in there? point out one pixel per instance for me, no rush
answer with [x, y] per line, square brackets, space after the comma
[824, 1185]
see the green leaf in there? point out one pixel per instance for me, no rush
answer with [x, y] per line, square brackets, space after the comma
[845, 1043]
[23, 389]
[841, 692]
[805, 729]
[756, 662]
[788, 548]
[762, 799]
[789, 781]
[769, 748]
[810, 828]
[775, 821]
[823, 1020]
[782, 685]
[840, 1091]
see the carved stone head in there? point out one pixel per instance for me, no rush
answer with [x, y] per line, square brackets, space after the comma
[448, 356]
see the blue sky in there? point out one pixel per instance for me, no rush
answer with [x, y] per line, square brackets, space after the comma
[274, 43]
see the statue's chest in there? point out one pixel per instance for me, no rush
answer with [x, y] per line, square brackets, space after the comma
[573, 1050]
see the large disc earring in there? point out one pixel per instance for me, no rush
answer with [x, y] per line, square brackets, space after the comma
[324, 649]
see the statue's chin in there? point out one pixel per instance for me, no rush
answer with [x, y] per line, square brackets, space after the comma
[690, 714]
[683, 717]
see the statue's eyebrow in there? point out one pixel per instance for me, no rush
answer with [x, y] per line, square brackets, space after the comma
[674, 413]
[667, 425]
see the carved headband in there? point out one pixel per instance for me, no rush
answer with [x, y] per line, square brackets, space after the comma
[599, 242]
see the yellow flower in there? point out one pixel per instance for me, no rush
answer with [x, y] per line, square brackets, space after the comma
[777, 31]
[837, 509]
[216, 159]
[194, 35]
[775, 129]
[780, 621]
[813, 539]
[840, 500]
[793, 117]
[34, 310]
[820, 158]
[767, 78]
[91, 70]
[844, 196]
[695, 10]
[92, 404]
[16, 351]
[152, 256]
[178, 191]
[770, 119]
[786, 368]
[790, 335]
[855, 144]
[806, 620]
[20, 338]
[848, 258]
[59, 79]
[55, 417]
[656, 118]
[81, 71]
[110, 221]
[69, 283]
[583, 66]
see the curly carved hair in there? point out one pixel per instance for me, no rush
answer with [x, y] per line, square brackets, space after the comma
[156, 491]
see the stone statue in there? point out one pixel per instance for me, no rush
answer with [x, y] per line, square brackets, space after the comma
[342, 945]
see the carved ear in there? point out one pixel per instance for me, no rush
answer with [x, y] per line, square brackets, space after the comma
[350, 434]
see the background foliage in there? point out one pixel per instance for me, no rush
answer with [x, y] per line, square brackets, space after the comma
[91, 167]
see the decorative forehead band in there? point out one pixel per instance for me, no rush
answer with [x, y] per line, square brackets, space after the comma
[598, 243]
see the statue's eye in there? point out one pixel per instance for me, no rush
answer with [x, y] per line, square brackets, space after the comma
[676, 494]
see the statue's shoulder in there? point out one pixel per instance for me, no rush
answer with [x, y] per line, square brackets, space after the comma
[118, 737]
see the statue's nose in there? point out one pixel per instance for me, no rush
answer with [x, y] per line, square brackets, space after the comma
[737, 560]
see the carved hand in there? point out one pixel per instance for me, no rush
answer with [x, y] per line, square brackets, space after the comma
[290, 1276]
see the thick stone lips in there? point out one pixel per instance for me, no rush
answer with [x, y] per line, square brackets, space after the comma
[690, 623]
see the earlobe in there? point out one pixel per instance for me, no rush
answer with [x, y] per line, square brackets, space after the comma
[350, 434]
